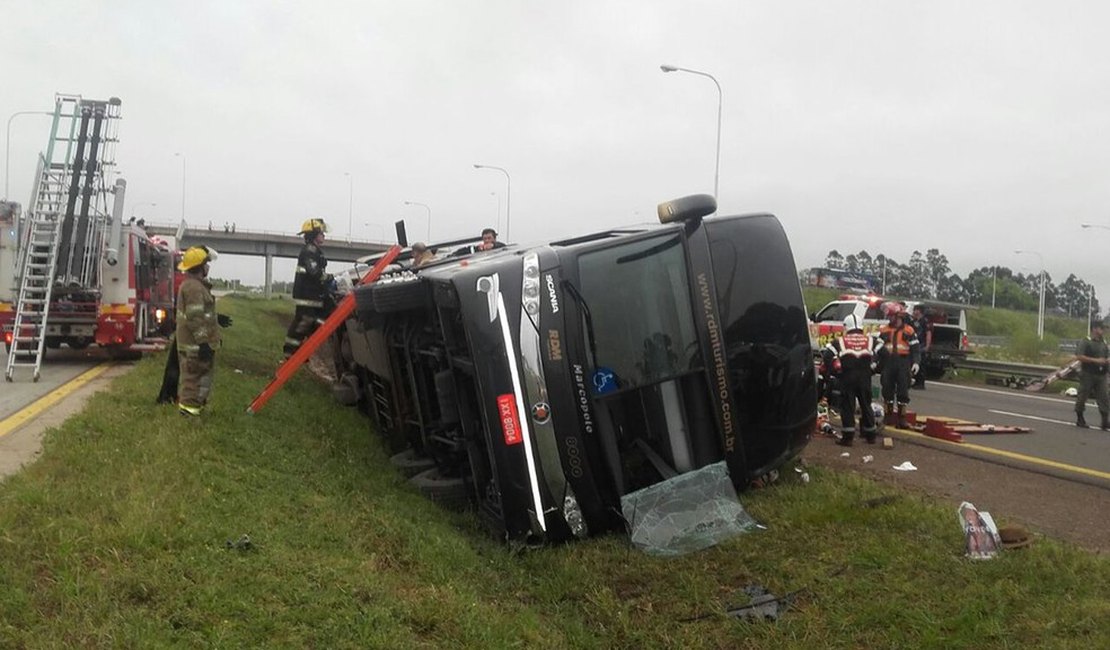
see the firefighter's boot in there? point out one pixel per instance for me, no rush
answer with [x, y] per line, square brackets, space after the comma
[1080, 421]
[1105, 426]
[888, 414]
[902, 422]
[846, 436]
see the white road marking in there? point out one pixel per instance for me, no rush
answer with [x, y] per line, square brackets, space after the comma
[1006, 393]
[1030, 417]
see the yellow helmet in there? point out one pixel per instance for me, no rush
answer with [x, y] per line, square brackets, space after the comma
[312, 225]
[193, 257]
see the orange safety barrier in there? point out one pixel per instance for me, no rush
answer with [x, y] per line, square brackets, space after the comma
[342, 311]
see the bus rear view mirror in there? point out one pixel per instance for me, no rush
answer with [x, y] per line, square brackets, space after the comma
[687, 208]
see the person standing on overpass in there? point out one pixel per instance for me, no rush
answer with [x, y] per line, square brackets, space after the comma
[1093, 359]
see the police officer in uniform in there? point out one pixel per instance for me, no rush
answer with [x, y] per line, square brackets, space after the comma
[901, 359]
[853, 357]
[1092, 356]
[311, 294]
[198, 331]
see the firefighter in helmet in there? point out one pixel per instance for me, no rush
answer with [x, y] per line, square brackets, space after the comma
[311, 293]
[198, 330]
[852, 357]
[901, 359]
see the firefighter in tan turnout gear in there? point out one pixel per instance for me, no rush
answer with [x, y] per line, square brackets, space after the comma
[852, 358]
[311, 294]
[198, 331]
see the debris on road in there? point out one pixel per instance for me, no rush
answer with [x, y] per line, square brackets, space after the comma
[1014, 536]
[906, 466]
[888, 442]
[868, 458]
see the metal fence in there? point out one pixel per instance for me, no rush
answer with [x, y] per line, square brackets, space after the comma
[1065, 345]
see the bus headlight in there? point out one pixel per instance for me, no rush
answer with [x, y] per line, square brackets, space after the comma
[530, 293]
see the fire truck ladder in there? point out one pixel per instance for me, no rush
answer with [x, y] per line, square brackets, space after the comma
[52, 201]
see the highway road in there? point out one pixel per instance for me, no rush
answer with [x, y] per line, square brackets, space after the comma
[59, 367]
[1054, 437]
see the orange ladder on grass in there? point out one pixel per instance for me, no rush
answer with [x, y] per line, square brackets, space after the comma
[342, 312]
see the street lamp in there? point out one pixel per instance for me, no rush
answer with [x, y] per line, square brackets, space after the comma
[720, 103]
[8, 146]
[508, 195]
[139, 205]
[429, 216]
[495, 194]
[182, 184]
[1040, 309]
[350, 202]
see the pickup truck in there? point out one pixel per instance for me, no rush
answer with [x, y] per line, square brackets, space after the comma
[949, 322]
[541, 384]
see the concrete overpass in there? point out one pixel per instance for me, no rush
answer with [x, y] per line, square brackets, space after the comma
[265, 243]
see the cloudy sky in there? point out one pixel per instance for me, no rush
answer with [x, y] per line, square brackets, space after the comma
[974, 127]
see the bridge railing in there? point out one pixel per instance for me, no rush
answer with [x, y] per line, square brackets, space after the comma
[248, 231]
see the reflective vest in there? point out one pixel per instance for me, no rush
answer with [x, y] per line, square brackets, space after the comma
[900, 341]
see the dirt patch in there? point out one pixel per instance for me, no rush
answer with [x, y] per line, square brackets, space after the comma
[1053, 506]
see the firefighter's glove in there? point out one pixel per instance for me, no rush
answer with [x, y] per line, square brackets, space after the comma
[224, 320]
[206, 353]
[914, 368]
[874, 367]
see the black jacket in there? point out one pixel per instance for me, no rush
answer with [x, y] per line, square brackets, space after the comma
[310, 286]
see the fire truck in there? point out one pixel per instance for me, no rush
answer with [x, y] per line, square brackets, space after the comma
[72, 271]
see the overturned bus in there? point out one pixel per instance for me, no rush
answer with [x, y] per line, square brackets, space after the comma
[542, 384]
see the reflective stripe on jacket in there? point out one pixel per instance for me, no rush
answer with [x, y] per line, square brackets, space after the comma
[900, 341]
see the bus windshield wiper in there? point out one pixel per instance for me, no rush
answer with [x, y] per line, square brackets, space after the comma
[581, 303]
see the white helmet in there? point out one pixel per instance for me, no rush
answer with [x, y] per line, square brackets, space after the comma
[851, 322]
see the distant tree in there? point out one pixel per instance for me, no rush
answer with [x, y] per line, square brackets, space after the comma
[954, 289]
[834, 260]
[940, 273]
[918, 281]
[866, 263]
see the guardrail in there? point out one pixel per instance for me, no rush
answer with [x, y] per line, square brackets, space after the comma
[1065, 345]
[1005, 367]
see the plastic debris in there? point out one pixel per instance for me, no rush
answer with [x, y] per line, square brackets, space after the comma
[238, 371]
[868, 458]
[906, 467]
[845, 454]
[764, 605]
[242, 544]
[805, 477]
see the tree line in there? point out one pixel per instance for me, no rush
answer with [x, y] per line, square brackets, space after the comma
[929, 276]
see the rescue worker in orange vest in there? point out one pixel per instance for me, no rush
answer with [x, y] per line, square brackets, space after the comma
[852, 357]
[901, 359]
[311, 295]
[198, 331]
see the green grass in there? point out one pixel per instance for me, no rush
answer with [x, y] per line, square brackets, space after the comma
[116, 538]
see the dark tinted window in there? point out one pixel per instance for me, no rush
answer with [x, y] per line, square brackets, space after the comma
[837, 311]
[639, 298]
[769, 355]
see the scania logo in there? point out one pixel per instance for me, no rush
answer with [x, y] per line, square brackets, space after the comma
[550, 281]
[541, 412]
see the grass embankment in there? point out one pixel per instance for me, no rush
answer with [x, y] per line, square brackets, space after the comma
[116, 537]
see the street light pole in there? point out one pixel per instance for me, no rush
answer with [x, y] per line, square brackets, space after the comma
[508, 195]
[498, 196]
[1040, 308]
[994, 283]
[720, 104]
[350, 203]
[8, 147]
[182, 184]
[429, 216]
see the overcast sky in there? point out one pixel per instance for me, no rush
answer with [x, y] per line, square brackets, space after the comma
[974, 127]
